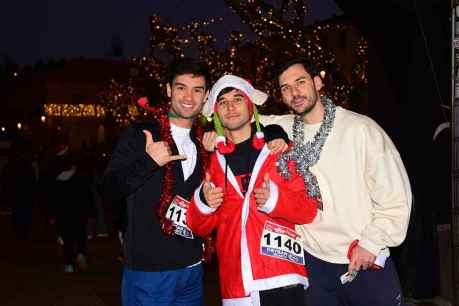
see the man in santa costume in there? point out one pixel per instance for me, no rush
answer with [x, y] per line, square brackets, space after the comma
[250, 206]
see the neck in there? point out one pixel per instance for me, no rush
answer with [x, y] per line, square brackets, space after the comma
[316, 114]
[181, 122]
[239, 135]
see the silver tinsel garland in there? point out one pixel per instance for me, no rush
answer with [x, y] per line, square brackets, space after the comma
[307, 154]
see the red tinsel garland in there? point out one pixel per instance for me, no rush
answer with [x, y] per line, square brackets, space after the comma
[166, 194]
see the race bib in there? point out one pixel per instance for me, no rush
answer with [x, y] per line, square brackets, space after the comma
[281, 242]
[177, 214]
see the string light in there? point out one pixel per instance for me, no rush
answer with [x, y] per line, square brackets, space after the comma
[279, 34]
[73, 110]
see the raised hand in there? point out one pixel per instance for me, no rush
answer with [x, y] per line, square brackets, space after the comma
[262, 194]
[209, 140]
[159, 150]
[213, 195]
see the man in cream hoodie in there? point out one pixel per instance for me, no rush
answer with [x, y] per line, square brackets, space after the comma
[352, 166]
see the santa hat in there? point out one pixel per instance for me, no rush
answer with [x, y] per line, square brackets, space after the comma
[254, 96]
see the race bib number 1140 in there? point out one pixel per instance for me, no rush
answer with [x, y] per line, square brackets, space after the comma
[281, 242]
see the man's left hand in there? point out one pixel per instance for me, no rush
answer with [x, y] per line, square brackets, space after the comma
[262, 194]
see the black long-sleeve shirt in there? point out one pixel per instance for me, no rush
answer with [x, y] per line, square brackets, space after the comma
[132, 174]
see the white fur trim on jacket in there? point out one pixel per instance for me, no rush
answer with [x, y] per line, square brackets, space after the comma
[203, 208]
[272, 200]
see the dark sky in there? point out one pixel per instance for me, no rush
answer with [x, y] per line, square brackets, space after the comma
[53, 29]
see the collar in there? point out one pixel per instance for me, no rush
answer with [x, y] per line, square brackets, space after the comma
[179, 131]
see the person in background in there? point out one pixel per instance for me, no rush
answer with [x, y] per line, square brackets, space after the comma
[97, 226]
[73, 203]
[18, 189]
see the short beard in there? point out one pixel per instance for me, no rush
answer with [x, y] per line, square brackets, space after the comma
[311, 107]
[307, 110]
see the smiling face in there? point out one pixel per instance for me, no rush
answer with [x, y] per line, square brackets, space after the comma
[299, 90]
[187, 93]
[233, 110]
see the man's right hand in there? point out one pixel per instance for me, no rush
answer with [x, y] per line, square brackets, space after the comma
[159, 150]
[212, 194]
[209, 140]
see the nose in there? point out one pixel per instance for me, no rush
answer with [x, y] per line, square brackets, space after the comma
[231, 104]
[188, 94]
[295, 90]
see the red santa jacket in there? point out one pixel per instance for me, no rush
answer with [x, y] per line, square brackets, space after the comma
[257, 249]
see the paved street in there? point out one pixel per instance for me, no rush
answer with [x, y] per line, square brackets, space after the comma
[32, 271]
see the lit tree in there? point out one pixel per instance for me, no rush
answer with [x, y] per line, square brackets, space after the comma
[279, 33]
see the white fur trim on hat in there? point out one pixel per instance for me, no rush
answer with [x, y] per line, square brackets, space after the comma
[256, 96]
[260, 135]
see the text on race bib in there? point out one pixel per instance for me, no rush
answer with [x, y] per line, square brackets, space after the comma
[177, 214]
[281, 242]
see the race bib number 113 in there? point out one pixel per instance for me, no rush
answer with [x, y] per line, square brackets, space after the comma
[177, 214]
[281, 242]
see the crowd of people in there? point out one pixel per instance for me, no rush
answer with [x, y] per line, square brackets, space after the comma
[302, 211]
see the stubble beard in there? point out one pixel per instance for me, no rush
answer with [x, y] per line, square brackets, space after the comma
[309, 108]
[182, 116]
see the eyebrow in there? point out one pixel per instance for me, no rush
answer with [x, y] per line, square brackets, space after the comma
[238, 94]
[179, 84]
[296, 80]
[300, 78]
[183, 84]
[220, 98]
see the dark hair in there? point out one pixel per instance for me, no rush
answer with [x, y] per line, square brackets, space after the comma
[310, 68]
[225, 91]
[187, 65]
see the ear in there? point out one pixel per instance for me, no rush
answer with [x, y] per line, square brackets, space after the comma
[168, 90]
[318, 83]
[206, 95]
